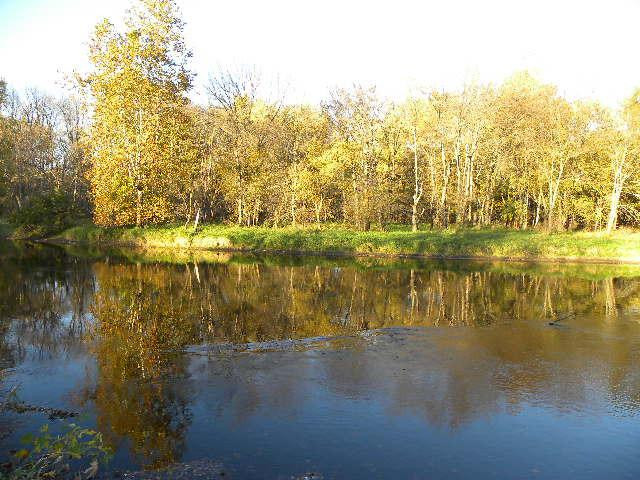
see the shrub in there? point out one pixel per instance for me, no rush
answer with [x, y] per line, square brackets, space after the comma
[47, 213]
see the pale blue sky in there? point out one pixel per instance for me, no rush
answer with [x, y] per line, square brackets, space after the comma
[588, 48]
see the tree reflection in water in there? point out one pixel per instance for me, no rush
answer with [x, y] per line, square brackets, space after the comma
[136, 319]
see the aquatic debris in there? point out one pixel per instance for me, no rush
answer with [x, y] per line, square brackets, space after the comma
[310, 476]
[197, 469]
[291, 345]
[556, 322]
[54, 413]
[13, 403]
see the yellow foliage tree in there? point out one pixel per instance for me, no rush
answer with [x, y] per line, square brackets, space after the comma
[141, 146]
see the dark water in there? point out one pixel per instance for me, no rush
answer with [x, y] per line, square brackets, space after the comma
[279, 366]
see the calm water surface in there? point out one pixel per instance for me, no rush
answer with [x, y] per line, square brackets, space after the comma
[278, 366]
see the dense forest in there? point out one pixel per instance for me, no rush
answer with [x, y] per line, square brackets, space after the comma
[129, 147]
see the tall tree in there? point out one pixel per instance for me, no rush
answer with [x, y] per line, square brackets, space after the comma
[356, 118]
[141, 138]
[625, 158]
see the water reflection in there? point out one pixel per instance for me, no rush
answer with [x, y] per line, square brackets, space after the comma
[44, 301]
[243, 303]
[127, 325]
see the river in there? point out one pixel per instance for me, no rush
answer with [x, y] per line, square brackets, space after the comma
[276, 366]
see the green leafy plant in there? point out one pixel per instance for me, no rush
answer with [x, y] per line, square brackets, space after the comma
[76, 454]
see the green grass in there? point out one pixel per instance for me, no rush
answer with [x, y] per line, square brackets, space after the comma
[619, 246]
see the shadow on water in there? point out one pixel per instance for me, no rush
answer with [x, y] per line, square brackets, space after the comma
[177, 356]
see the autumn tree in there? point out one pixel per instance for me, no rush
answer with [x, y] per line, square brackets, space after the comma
[356, 119]
[300, 147]
[140, 144]
[5, 143]
[625, 158]
[243, 130]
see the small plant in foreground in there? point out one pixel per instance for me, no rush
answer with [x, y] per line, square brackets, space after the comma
[62, 456]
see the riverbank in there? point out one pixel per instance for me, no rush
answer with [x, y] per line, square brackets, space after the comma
[620, 246]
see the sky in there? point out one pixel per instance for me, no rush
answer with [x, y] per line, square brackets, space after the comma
[589, 49]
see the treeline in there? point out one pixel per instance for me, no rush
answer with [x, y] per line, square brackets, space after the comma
[517, 154]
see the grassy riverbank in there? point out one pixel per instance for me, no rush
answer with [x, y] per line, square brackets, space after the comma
[619, 246]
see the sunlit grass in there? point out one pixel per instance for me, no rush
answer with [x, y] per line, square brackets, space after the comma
[504, 243]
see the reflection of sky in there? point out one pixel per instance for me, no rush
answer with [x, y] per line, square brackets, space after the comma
[399, 407]
[368, 443]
